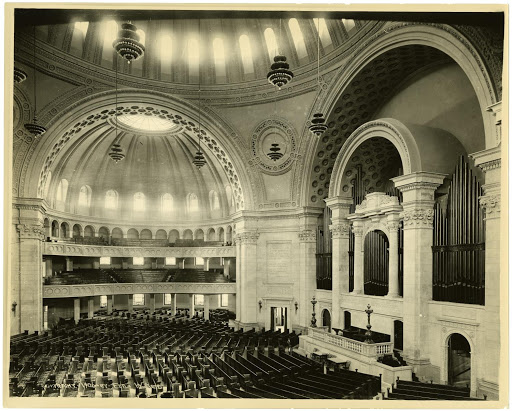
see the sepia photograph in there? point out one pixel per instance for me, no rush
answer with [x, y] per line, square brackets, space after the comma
[246, 206]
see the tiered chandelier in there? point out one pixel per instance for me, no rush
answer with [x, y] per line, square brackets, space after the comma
[280, 73]
[275, 153]
[116, 152]
[199, 160]
[127, 44]
[318, 126]
[19, 75]
[33, 128]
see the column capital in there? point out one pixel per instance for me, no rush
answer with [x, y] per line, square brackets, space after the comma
[358, 228]
[420, 180]
[393, 222]
[418, 218]
[247, 237]
[340, 230]
[339, 202]
[307, 236]
[31, 231]
[491, 204]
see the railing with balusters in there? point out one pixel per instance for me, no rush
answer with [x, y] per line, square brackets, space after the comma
[366, 349]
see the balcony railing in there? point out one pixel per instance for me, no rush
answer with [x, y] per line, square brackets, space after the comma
[366, 349]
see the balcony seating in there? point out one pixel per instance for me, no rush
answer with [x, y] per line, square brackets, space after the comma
[135, 242]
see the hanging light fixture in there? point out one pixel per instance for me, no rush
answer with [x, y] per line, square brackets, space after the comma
[116, 152]
[275, 151]
[33, 128]
[318, 126]
[199, 159]
[127, 44]
[280, 73]
[19, 75]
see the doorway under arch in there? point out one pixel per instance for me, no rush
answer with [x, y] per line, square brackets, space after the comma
[459, 361]
[326, 319]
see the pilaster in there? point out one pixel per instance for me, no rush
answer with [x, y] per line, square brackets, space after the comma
[247, 276]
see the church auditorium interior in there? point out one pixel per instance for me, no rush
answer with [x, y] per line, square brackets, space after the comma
[258, 205]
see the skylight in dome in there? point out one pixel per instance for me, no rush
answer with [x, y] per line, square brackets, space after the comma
[143, 122]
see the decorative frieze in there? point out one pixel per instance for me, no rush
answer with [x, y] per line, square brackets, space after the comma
[418, 217]
[492, 205]
[307, 236]
[340, 230]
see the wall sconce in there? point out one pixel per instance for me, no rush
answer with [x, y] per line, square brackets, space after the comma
[14, 304]
[296, 306]
[260, 303]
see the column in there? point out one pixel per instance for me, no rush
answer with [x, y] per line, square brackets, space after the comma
[26, 283]
[69, 264]
[130, 303]
[159, 301]
[173, 304]
[192, 307]
[110, 304]
[340, 230]
[76, 310]
[207, 306]
[418, 214]
[151, 300]
[490, 162]
[357, 228]
[226, 262]
[393, 225]
[206, 263]
[49, 267]
[247, 276]
[90, 307]
[238, 247]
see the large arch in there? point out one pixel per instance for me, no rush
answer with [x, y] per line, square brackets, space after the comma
[76, 110]
[441, 37]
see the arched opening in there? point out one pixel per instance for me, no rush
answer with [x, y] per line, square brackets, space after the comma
[89, 231]
[187, 235]
[459, 361]
[376, 263]
[55, 228]
[77, 231]
[64, 230]
[133, 234]
[117, 233]
[199, 235]
[220, 234]
[229, 234]
[161, 235]
[210, 234]
[347, 320]
[173, 236]
[146, 234]
[398, 332]
[103, 232]
[47, 228]
[326, 319]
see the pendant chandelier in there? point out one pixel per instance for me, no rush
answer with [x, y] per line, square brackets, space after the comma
[19, 75]
[275, 151]
[280, 73]
[116, 152]
[199, 159]
[318, 126]
[33, 128]
[127, 44]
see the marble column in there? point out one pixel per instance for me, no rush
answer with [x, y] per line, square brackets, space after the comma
[393, 224]
[418, 215]
[174, 303]
[490, 162]
[340, 232]
[110, 304]
[90, 307]
[307, 273]
[192, 307]
[207, 306]
[357, 228]
[76, 310]
[69, 264]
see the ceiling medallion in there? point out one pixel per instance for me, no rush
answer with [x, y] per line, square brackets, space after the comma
[128, 44]
[318, 126]
[19, 75]
[280, 73]
[116, 153]
[275, 152]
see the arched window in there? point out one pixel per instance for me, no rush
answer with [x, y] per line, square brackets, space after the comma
[165, 53]
[62, 190]
[323, 32]
[109, 35]
[230, 196]
[142, 35]
[111, 200]
[139, 202]
[78, 38]
[298, 39]
[192, 203]
[167, 203]
[245, 50]
[47, 184]
[214, 200]
[81, 26]
[219, 58]
[84, 197]
[270, 39]
[193, 57]
[349, 24]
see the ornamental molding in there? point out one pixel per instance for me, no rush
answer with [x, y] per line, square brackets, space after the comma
[65, 291]
[248, 237]
[393, 226]
[420, 185]
[491, 205]
[307, 236]
[279, 290]
[340, 230]
[418, 218]
[31, 231]
[490, 165]
[358, 230]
